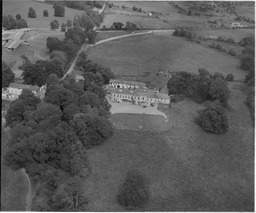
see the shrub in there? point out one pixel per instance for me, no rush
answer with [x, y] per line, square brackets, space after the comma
[63, 27]
[232, 52]
[250, 102]
[31, 13]
[59, 10]
[46, 13]
[176, 98]
[134, 192]
[54, 24]
[230, 77]
[213, 119]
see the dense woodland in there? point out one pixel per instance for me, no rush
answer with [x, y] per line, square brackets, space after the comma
[50, 138]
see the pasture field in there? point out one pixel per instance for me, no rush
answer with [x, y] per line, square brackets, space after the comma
[22, 6]
[148, 6]
[13, 183]
[188, 169]
[133, 57]
[141, 22]
[236, 35]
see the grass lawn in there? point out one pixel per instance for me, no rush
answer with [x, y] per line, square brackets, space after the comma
[149, 123]
[135, 56]
[188, 169]
[13, 183]
[22, 6]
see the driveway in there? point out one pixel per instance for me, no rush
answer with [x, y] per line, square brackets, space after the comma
[126, 107]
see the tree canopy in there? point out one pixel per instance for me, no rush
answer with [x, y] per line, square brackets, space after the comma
[7, 75]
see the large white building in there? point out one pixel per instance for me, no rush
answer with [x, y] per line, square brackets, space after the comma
[15, 89]
[136, 92]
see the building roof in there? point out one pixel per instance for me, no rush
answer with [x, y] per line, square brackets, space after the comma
[117, 81]
[24, 86]
[15, 44]
[141, 92]
[79, 77]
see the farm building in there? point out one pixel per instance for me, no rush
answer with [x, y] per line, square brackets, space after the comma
[235, 24]
[14, 45]
[126, 84]
[15, 89]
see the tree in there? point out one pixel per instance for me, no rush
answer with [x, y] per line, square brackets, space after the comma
[134, 193]
[62, 56]
[69, 23]
[9, 22]
[63, 27]
[7, 75]
[219, 91]
[22, 24]
[54, 25]
[70, 48]
[91, 36]
[45, 13]
[61, 97]
[18, 17]
[130, 26]
[189, 13]
[53, 43]
[230, 77]
[31, 13]
[213, 119]
[118, 25]
[87, 22]
[59, 10]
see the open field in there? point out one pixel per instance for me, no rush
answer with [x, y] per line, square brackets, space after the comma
[13, 7]
[133, 57]
[188, 169]
[13, 184]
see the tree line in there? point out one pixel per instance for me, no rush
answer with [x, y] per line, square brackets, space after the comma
[9, 22]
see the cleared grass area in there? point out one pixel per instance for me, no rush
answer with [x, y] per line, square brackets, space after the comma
[22, 6]
[188, 169]
[13, 183]
[131, 57]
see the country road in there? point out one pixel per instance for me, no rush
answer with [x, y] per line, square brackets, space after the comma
[29, 195]
[84, 47]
